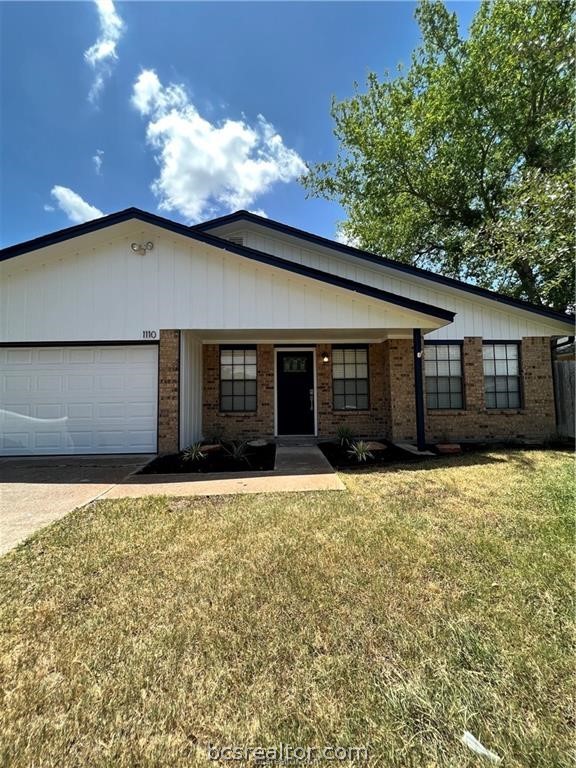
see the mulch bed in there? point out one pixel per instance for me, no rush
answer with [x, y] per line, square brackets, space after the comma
[257, 459]
[340, 459]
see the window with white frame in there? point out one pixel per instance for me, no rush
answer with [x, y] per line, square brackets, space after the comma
[443, 371]
[238, 379]
[350, 378]
[501, 375]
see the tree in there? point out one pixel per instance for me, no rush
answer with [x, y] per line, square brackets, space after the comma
[464, 163]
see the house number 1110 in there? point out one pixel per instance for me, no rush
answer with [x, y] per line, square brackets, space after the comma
[149, 334]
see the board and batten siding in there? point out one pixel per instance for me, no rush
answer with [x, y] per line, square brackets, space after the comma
[475, 316]
[107, 292]
[190, 389]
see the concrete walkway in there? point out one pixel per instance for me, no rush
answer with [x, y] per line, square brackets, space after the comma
[37, 491]
[302, 468]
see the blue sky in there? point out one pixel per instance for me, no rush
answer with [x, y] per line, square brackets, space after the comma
[187, 109]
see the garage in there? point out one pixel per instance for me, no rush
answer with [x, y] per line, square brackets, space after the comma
[78, 399]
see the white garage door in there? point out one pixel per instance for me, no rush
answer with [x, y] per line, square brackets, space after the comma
[67, 400]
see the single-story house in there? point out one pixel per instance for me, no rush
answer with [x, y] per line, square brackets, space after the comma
[133, 333]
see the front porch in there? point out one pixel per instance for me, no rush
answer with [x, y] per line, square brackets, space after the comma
[385, 397]
[284, 387]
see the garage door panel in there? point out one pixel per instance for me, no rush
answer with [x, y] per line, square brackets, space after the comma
[78, 400]
[115, 355]
[50, 355]
[76, 411]
[14, 442]
[49, 440]
[78, 442]
[79, 355]
[48, 382]
[17, 356]
[49, 411]
[16, 383]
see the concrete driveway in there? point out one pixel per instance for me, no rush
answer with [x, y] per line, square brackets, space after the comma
[35, 492]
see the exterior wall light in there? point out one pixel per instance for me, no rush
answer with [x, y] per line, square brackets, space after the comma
[325, 358]
[142, 248]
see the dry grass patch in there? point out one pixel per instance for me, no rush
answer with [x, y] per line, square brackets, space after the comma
[422, 602]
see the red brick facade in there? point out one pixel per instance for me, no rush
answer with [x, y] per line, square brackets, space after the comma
[238, 425]
[168, 391]
[535, 420]
[399, 381]
[372, 423]
[392, 412]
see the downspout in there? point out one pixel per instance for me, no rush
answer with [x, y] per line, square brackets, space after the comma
[419, 390]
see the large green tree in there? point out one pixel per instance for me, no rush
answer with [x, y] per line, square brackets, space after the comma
[464, 162]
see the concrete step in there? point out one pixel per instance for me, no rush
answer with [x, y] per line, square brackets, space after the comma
[292, 441]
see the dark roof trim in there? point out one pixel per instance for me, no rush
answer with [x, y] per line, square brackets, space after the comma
[240, 250]
[239, 216]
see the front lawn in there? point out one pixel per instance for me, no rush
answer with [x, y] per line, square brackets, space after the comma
[426, 600]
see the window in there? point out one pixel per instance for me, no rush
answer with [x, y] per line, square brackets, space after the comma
[443, 370]
[501, 375]
[238, 379]
[294, 364]
[350, 378]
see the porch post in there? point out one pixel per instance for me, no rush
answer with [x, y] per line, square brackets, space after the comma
[419, 390]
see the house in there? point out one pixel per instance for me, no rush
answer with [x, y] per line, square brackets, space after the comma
[133, 333]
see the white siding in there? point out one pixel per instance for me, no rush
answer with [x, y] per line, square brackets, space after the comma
[108, 292]
[474, 316]
[190, 389]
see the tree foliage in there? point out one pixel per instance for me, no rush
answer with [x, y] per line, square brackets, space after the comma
[464, 163]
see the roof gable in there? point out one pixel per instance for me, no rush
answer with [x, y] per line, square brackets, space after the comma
[381, 261]
[197, 234]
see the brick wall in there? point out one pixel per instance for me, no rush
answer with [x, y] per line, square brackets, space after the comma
[371, 423]
[400, 395]
[168, 391]
[535, 420]
[392, 411]
[238, 425]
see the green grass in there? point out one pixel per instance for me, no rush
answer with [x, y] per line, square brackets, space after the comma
[423, 601]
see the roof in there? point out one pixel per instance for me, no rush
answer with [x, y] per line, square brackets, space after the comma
[277, 226]
[197, 234]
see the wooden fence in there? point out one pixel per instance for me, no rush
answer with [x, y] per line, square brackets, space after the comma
[564, 385]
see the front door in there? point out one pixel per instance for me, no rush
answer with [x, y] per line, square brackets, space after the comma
[295, 393]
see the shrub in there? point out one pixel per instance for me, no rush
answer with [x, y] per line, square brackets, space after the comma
[359, 450]
[344, 435]
[194, 452]
[238, 450]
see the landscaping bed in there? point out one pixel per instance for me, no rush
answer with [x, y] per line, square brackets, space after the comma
[225, 457]
[342, 456]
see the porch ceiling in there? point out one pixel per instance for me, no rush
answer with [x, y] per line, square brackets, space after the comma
[304, 336]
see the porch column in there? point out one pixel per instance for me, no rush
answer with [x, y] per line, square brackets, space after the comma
[419, 390]
[168, 391]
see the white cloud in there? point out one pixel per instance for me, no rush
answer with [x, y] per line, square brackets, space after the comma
[49, 208]
[259, 212]
[77, 209]
[97, 160]
[103, 54]
[204, 165]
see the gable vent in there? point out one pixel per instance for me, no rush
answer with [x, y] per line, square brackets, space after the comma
[236, 239]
